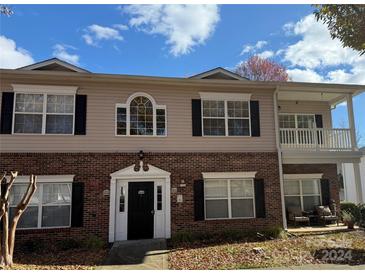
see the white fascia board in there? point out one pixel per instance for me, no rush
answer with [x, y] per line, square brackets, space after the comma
[45, 179]
[229, 175]
[303, 176]
[225, 96]
[45, 89]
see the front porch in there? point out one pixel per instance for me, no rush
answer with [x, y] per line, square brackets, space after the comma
[330, 228]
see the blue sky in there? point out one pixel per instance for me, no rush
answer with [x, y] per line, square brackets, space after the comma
[181, 41]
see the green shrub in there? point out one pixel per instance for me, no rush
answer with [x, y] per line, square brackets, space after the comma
[351, 208]
[276, 232]
[228, 235]
[362, 215]
[34, 246]
[183, 237]
[93, 242]
[68, 244]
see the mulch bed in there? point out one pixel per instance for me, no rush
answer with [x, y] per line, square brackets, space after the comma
[339, 248]
[73, 259]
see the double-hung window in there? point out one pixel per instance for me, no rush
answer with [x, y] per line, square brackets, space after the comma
[43, 112]
[49, 207]
[229, 198]
[226, 118]
[302, 193]
[141, 116]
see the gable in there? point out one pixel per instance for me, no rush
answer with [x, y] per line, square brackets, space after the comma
[219, 74]
[54, 64]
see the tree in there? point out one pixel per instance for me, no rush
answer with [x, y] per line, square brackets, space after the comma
[260, 69]
[345, 22]
[6, 10]
[8, 228]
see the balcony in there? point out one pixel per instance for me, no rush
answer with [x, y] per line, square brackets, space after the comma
[322, 139]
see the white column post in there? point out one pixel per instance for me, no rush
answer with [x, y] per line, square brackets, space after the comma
[357, 179]
[277, 133]
[350, 112]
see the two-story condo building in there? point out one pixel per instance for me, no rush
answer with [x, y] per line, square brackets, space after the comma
[132, 157]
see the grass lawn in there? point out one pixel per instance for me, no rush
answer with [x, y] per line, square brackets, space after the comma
[340, 247]
[72, 259]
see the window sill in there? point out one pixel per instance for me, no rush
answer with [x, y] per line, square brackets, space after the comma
[228, 219]
[42, 229]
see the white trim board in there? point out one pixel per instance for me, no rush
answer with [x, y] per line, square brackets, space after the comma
[45, 179]
[229, 175]
[225, 96]
[39, 89]
[303, 176]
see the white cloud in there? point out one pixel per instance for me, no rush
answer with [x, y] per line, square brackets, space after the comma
[95, 33]
[60, 51]
[120, 26]
[266, 54]
[316, 57]
[253, 48]
[288, 28]
[304, 75]
[184, 26]
[12, 56]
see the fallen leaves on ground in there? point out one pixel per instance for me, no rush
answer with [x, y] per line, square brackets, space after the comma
[73, 259]
[274, 253]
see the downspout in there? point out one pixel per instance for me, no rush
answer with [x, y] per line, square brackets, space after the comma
[277, 133]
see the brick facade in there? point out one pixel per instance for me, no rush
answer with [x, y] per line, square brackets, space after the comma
[94, 169]
[329, 172]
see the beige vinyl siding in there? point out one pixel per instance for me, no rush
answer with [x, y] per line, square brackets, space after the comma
[312, 107]
[101, 101]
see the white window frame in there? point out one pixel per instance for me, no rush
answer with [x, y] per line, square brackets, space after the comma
[301, 195]
[225, 97]
[127, 107]
[229, 198]
[296, 119]
[41, 180]
[43, 90]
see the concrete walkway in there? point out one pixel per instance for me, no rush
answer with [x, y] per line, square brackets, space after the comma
[151, 254]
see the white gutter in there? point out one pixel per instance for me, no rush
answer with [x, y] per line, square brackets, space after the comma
[281, 177]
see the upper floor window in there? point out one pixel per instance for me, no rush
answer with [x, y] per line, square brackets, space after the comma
[226, 118]
[44, 109]
[140, 116]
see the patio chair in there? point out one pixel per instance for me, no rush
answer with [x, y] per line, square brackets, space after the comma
[326, 215]
[296, 215]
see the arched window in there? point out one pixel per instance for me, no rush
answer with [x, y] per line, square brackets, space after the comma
[140, 116]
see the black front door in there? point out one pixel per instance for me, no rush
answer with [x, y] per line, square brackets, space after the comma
[140, 210]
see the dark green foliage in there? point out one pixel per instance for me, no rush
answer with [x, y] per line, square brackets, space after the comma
[362, 215]
[228, 235]
[351, 208]
[33, 246]
[93, 242]
[345, 22]
[68, 244]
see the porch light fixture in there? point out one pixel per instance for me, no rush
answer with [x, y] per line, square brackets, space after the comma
[141, 155]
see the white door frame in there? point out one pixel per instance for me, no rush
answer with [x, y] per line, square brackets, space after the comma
[129, 174]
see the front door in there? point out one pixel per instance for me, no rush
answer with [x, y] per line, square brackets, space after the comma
[140, 210]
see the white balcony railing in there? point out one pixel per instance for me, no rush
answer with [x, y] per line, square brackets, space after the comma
[337, 139]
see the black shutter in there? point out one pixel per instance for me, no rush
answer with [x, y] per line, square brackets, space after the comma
[196, 114]
[319, 124]
[325, 191]
[7, 103]
[80, 115]
[319, 121]
[255, 118]
[260, 198]
[77, 213]
[198, 200]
